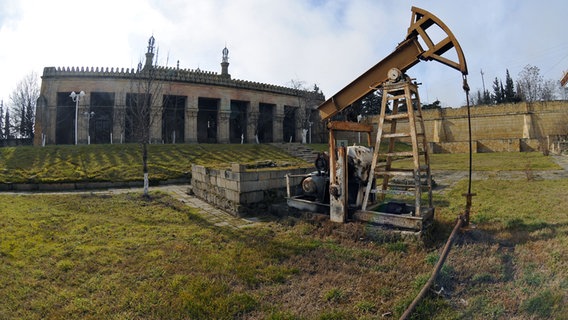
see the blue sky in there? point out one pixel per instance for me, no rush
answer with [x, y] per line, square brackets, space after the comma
[328, 43]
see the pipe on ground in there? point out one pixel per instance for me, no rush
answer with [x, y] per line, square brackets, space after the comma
[435, 272]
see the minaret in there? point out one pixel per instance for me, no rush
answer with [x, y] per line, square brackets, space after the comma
[150, 53]
[225, 64]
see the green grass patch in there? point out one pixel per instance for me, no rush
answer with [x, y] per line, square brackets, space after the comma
[90, 256]
[542, 304]
[125, 257]
[123, 162]
[496, 161]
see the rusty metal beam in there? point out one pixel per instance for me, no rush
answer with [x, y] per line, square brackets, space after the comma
[404, 57]
[350, 126]
[407, 54]
[564, 79]
[420, 22]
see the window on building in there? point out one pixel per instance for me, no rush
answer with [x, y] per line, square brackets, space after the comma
[137, 117]
[238, 121]
[265, 122]
[289, 125]
[65, 119]
[207, 120]
[101, 116]
[173, 119]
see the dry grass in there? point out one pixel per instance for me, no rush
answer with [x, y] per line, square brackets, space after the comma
[122, 257]
[502, 161]
[513, 261]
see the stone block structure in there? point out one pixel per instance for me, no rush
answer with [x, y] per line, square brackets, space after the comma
[191, 106]
[240, 191]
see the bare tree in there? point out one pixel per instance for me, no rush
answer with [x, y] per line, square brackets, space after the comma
[549, 89]
[308, 100]
[23, 103]
[144, 106]
[530, 83]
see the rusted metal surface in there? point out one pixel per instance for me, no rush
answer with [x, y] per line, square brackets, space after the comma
[350, 126]
[564, 79]
[338, 190]
[405, 56]
[400, 221]
[420, 22]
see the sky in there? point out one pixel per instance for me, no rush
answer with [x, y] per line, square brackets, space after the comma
[324, 42]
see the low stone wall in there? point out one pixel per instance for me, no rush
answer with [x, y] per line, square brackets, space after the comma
[239, 191]
[487, 145]
[452, 147]
[77, 186]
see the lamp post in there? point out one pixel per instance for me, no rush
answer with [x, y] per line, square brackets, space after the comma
[76, 97]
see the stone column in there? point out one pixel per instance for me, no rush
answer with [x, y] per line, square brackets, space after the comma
[50, 117]
[252, 121]
[191, 119]
[223, 126]
[223, 117]
[439, 134]
[83, 122]
[528, 127]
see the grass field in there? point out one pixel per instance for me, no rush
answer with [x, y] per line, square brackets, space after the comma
[497, 161]
[96, 256]
[123, 257]
[123, 162]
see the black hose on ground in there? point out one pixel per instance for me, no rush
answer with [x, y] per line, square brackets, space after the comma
[463, 220]
[434, 275]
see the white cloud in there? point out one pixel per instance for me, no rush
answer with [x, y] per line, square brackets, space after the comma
[328, 42]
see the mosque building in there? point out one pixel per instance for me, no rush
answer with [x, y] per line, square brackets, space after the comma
[101, 105]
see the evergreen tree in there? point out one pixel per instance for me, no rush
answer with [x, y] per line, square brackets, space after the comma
[478, 98]
[7, 131]
[519, 92]
[486, 97]
[509, 93]
[371, 103]
[497, 91]
[433, 105]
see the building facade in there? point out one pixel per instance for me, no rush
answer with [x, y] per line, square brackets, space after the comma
[187, 106]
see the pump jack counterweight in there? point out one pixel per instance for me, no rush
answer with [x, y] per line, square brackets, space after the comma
[356, 179]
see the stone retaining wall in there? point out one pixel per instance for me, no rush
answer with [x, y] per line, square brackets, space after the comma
[75, 186]
[497, 128]
[238, 191]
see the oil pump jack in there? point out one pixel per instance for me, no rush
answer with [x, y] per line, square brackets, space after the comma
[353, 182]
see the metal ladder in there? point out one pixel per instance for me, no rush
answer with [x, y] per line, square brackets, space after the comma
[405, 123]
